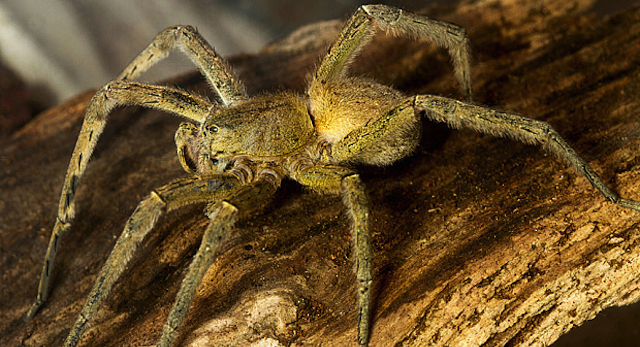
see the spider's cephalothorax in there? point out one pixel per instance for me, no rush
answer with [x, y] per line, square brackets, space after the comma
[238, 149]
[265, 131]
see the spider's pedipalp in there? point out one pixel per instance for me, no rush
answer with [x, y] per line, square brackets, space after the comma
[186, 139]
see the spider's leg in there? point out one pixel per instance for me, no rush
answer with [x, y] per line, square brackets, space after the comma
[360, 28]
[336, 179]
[111, 95]
[222, 216]
[459, 114]
[188, 40]
[182, 192]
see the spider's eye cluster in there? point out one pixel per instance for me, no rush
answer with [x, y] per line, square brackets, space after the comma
[212, 128]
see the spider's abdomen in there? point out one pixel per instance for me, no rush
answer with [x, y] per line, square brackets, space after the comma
[272, 125]
[349, 107]
[348, 104]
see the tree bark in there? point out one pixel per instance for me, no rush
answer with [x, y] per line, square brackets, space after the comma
[477, 240]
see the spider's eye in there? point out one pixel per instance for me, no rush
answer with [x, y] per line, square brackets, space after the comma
[212, 128]
[214, 161]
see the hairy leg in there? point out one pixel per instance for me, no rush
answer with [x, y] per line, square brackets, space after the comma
[223, 216]
[335, 179]
[196, 189]
[111, 95]
[188, 40]
[459, 114]
[358, 31]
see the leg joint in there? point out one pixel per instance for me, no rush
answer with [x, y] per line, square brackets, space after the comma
[386, 14]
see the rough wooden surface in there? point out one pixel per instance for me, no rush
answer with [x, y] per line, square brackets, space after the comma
[477, 240]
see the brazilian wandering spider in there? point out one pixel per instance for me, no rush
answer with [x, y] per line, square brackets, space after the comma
[238, 149]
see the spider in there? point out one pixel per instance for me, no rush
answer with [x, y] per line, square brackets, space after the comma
[238, 149]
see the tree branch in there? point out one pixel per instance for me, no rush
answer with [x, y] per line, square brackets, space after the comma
[477, 240]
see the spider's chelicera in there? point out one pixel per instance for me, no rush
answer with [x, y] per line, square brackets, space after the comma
[238, 149]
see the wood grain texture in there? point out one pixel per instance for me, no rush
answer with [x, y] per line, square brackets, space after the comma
[477, 240]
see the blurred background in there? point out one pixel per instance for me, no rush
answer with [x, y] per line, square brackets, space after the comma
[58, 48]
[62, 47]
